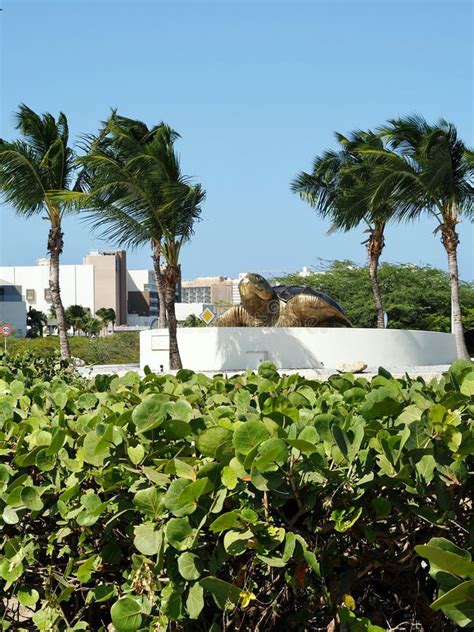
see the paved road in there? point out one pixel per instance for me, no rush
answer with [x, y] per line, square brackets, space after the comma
[427, 372]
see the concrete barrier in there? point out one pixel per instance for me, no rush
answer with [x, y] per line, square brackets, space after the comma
[239, 348]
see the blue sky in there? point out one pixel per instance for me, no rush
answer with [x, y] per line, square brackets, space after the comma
[256, 89]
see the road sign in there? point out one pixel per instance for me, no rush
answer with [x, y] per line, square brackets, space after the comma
[6, 330]
[207, 315]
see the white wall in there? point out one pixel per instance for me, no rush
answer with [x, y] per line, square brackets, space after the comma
[183, 310]
[229, 348]
[137, 279]
[76, 283]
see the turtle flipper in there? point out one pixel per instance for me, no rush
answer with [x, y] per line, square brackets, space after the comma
[305, 310]
[235, 316]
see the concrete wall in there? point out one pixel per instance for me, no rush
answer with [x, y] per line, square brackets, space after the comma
[229, 348]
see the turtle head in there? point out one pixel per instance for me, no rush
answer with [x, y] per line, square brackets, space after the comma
[255, 286]
[259, 299]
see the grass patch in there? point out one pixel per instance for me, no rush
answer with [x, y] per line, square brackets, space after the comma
[120, 348]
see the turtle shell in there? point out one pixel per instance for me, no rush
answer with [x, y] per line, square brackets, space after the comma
[287, 292]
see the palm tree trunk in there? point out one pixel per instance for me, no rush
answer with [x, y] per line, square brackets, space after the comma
[375, 245]
[160, 284]
[450, 240]
[55, 247]
[171, 274]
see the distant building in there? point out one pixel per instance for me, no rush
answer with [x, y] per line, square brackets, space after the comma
[12, 308]
[110, 281]
[216, 291]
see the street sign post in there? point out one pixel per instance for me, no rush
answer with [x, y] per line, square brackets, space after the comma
[5, 331]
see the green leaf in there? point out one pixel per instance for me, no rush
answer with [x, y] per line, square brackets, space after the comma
[345, 518]
[303, 446]
[179, 533]
[229, 477]
[446, 560]
[31, 499]
[225, 595]
[225, 521]
[149, 414]
[147, 540]
[126, 615]
[149, 501]
[195, 601]
[171, 602]
[173, 500]
[209, 440]
[188, 566]
[380, 402]
[184, 470]
[464, 592]
[136, 454]
[28, 598]
[249, 435]
[181, 409]
[467, 385]
[271, 454]
[426, 467]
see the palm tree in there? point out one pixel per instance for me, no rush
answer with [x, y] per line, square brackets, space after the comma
[106, 315]
[76, 316]
[137, 195]
[36, 320]
[337, 188]
[428, 169]
[32, 170]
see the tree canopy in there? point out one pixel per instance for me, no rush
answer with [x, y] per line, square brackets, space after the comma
[415, 297]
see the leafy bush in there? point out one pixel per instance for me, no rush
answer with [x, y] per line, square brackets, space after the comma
[120, 348]
[261, 502]
[453, 569]
[415, 297]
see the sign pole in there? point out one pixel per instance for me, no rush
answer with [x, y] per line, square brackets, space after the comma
[5, 330]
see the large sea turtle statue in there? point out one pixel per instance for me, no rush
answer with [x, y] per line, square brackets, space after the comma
[281, 306]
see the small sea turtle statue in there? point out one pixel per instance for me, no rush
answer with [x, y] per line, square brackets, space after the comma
[281, 306]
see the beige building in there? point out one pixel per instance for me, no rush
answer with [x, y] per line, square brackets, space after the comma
[209, 290]
[110, 281]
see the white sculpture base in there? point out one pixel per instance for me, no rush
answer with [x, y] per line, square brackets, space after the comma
[240, 348]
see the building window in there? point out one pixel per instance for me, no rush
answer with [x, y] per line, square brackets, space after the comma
[47, 295]
[31, 296]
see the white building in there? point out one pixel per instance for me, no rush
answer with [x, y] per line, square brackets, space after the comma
[76, 283]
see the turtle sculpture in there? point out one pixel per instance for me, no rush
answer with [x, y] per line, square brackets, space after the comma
[281, 306]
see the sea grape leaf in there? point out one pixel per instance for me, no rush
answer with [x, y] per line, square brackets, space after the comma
[126, 615]
[249, 435]
[225, 595]
[195, 600]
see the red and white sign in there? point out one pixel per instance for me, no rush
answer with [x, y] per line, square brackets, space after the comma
[6, 330]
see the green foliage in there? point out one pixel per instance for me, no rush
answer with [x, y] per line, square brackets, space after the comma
[192, 321]
[415, 297]
[453, 570]
[119, 348]
[219, 503]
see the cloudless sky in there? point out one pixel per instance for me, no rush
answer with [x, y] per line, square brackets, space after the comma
[256, 90]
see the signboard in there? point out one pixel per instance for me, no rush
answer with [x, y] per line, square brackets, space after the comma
[6, 330]
[207, 315]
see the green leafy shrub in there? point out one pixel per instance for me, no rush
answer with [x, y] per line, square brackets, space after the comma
[453, 569]
[261, 502]
[120, 348]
